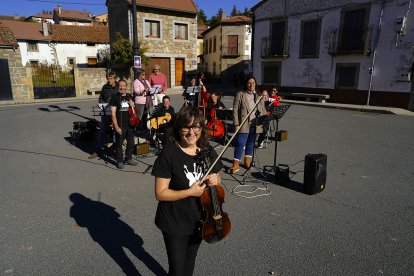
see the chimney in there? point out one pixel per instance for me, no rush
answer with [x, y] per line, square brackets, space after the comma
[45, 28]
[59, 10]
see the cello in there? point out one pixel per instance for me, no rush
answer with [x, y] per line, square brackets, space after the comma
[216, 126]
[216, 224]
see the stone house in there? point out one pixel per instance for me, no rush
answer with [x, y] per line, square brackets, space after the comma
[358, 52]
[227, 49]
[168, 29]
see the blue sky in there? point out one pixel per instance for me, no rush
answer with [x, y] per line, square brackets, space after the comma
[28, 7]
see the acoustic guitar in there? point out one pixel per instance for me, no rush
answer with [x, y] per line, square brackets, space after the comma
[155, 124]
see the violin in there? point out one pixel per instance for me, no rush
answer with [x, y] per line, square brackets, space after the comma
[216, 126]
[133, 118]
[216, 224]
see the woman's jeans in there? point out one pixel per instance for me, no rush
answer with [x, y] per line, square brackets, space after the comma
[245, 140]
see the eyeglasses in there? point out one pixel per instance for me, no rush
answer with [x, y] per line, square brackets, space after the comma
[156, 69]
[143, 74]
[195, 128]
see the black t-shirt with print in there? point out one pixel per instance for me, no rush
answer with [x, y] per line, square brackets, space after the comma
[180, 217]
[122, 106]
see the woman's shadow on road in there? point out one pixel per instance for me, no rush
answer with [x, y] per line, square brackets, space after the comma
[109, 231]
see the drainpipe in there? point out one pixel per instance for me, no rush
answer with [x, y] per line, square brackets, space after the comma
[371, 70]
[252, 44]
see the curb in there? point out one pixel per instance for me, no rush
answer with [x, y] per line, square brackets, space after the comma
[361, 108]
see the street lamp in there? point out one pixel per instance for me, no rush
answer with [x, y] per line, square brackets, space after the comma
[135, 48]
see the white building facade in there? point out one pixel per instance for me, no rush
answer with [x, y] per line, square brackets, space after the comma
[358, 52]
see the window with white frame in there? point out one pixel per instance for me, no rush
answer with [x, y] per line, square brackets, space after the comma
[180, 31]
[152, 28]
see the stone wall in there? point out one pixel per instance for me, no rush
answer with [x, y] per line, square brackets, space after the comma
[93, 79]
[89, 79]
[20, 76]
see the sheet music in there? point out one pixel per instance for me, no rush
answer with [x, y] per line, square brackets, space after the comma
[155, 89]
[192, 90]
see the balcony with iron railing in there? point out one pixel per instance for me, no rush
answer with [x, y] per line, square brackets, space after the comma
[230, 52]
[344, 47]
[275, 49]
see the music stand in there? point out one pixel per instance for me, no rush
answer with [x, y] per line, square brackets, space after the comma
[155, 114]
[276, 113]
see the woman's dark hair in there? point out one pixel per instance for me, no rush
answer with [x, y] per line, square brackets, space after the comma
[247, 80]
[210, 100]
[183, 119]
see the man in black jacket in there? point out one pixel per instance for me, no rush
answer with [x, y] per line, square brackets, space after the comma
[120, 116]
[107, 91]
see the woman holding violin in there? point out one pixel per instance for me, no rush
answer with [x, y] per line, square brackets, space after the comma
[178, 172]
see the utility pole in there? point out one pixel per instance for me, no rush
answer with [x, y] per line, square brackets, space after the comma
[135, 48]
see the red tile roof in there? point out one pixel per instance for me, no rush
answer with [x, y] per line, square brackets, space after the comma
[234, 20]
[200, 30]
[72, 14]
[178, 5]
[237, 19]
[7, 38]
[25, 30]
[80, 34]
[43, 15]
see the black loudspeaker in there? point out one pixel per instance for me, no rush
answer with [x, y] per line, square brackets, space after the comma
[315, 173]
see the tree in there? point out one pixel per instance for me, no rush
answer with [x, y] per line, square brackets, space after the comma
[234, 11]
[46, 12]
[246, 12]
[202, 18]
[216, 18]
[122, 53]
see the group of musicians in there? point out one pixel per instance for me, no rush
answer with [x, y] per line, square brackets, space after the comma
[119, 102]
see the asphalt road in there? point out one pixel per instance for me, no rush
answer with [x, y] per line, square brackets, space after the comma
[62, 214]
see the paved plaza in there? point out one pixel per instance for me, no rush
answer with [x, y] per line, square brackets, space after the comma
[63, 214]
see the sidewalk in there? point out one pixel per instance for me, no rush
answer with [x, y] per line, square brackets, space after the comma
[231, 91]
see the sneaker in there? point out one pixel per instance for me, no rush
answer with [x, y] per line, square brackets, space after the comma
[131, 162]
[260, 145]
[120, 165]
[93, 155]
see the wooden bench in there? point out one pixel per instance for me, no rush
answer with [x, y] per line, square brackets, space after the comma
[93, 92]
[308, 97]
